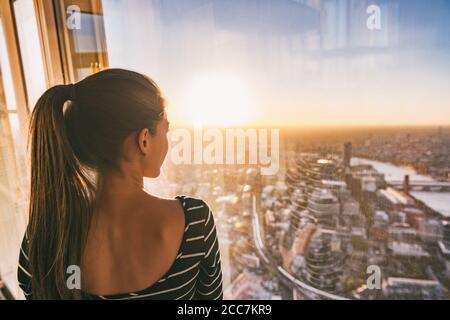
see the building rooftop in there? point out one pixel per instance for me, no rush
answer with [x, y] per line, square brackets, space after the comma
[407, 249]
[392, 172]
[389, 196]
[437, 201]
[394, 281]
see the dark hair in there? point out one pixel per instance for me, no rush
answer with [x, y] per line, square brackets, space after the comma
[75, 130]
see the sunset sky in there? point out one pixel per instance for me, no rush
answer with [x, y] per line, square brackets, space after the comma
[283, 63]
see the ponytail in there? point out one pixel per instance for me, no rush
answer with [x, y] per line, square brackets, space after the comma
[60, 199]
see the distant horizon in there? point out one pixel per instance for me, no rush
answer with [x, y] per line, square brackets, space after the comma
[318, 127]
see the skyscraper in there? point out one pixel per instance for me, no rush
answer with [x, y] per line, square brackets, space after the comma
[347, 154]
[323, 266]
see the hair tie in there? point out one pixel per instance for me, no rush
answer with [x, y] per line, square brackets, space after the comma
[71, 93]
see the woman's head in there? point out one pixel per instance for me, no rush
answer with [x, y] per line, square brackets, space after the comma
[114, 116]
[104, 122]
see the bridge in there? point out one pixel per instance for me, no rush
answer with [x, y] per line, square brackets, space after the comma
[417, 185]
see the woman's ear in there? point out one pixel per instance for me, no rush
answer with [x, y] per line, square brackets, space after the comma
[144, 141]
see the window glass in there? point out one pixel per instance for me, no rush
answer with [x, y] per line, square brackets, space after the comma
[350, 198]
[30, 49]
[12, 185]
[82, 37]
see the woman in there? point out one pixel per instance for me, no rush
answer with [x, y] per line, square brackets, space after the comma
[92, 143]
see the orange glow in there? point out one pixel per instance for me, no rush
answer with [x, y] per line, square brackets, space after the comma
[216, 99]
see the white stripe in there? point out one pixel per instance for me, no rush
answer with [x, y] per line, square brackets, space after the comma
[192, 296]
[160, 292]
[193, 223]
[180, 272]
[193, 287]
[216, 261]
[192, 255]
[216, 258]
[214, 266]
[26, 257]
[209, 216]
[27, 293]
[212, 230]
[195, 208]
[194, 238]
[207, 273]
[102, 297]
[208, 293]
[23, 269]
[210, 284]
[185, 270]
[211, 247]
[220, 293]
[133, 294]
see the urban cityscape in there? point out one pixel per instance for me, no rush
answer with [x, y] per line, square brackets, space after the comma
[337, 209]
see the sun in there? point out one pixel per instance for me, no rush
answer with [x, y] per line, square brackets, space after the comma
[217, 99]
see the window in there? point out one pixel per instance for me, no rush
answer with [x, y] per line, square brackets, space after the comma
[328, 121]
[30, 49]
[83, 44]
[12, 184]
[325, 216]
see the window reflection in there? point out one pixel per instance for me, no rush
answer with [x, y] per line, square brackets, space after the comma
[311, 230]
[84, 47]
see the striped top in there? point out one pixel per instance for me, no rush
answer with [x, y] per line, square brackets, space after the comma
[195, 274]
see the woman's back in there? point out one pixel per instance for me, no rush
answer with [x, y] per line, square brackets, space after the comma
[192, 271]
[131, 243]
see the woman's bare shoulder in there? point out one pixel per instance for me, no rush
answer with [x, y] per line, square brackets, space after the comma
[169, 212]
